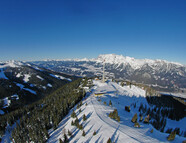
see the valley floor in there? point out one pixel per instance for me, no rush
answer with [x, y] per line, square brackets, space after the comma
[105, 127]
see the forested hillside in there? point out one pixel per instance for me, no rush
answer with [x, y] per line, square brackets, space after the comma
[22, 84]
[38, 118]
[160, 74]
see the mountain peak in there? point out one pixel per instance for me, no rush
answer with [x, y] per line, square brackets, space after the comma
[10, 63]
[134, 63]
[120, 59]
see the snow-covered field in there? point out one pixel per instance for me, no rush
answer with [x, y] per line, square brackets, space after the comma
[181, 95]
[105, 127]
[60, 77]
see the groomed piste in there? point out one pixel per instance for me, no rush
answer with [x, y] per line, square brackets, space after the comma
[97, 109]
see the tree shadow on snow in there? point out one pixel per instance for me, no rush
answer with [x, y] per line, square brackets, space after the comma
[89, 114]
[89, 139]
[116, 139]
[89, 129]
[85, 124]
[75, 132]
[97, 141]
[77, 113]
[76, 141]
[98, 130]
[86, 115]
[114, 135]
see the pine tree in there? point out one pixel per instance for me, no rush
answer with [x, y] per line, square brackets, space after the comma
[76, 123]
[146, 120]
[69, 133]
[94, 133]
[80, 110]
[141, 118]
[72, 123]
[134, 118]
[80, 126]
[81, 103]
[177, 130]
[137, 125]
[65, 138]
[114, 115]
[83, 134]
[171, 136]
[60, 141]
[78, 106]
[152, 131]
[169, 130]
[84, 117]
[73, 115]
[109, 141]
[127, 108]
[110, 103]
[117, 118]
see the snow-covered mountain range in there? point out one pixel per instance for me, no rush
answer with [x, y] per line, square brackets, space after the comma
[164, 75]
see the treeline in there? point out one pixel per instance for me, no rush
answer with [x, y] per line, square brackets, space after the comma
[34, 125]
[171, 108]
[35, 119]
[163, 107]
[156, 117]
[14, 112]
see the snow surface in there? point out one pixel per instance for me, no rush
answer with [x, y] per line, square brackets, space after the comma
[10, 64]
[31, 91]
[7, 135]
[49, 85]
[1, 112]
[44, 87]
[182, 95]
[26, 78]
[7, 102]
[20, 85]
[176, 124]
[98, 120]
[2, 75]
[39, 77]
[15, 96]
[27, 89]
[37, 68]
[18, 75]
[60, 77]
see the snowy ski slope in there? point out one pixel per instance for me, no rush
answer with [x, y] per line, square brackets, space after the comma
[105, 127]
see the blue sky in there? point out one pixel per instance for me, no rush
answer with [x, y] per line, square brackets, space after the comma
[45, 29]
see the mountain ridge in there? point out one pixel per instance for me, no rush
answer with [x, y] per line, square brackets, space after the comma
[115, 57]
[161, 74]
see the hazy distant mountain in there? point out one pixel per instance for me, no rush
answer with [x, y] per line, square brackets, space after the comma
[159, 73]
[22, 83]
